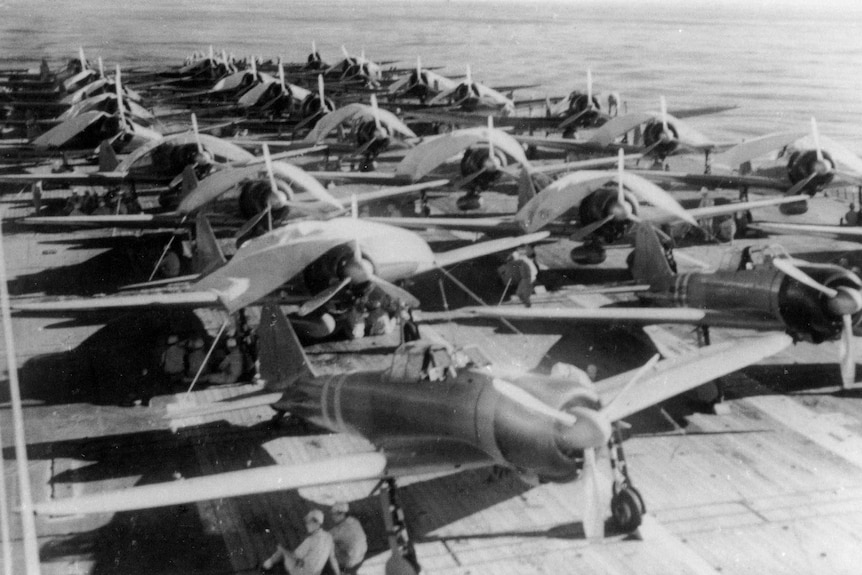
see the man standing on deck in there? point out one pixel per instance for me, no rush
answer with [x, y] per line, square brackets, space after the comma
[312, 554]
[349, 539]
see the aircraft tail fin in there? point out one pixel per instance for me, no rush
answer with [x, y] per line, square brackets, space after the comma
[208, 254]
[190, 182]
[282, 359]
[108, 161]
[650, 263]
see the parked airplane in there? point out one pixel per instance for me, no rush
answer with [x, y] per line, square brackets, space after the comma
[545, 428]
[815, 302]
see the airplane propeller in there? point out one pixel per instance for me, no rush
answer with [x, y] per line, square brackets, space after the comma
[621, 210]
[843, 301]
[356, 271]
[491, 164]
[595, 426]
[822, 166]
[380, 133]
[588, 108]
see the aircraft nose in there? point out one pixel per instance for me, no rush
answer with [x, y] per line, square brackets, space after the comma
[590, 430]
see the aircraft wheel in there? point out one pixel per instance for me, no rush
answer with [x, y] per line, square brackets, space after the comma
[627, 508]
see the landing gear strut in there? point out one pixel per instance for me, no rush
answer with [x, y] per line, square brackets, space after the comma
[403, 560]
[627, 505]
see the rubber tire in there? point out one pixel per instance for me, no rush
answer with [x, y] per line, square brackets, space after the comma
[627, 509]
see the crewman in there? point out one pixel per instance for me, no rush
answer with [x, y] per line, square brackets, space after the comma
[173, 361]
[312, 554]
[851, 218]
[521, 270]
[349, 539]
[378, 321]
[195, 360]
[231, 367]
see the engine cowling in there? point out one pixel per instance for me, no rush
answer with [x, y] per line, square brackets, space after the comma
[663, 142]
[479, 158]
[378, 137]
[312, 106]
[255, 196]
[603, 203]
[804, 164]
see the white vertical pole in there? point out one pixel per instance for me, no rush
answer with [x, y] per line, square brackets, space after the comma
[28, 523]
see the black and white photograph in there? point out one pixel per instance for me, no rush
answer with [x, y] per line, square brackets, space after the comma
[440, 287]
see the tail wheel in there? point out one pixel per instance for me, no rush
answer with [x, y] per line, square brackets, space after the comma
[627, 509]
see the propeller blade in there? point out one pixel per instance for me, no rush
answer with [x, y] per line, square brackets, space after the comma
[787, 267]
[816, 135]
[635, 378]
[585, 231]
[593, 514]
[281, 75]
[848, 358]
[663, 104]
[395, 292]
[250, 224]
[313, 47]
[572, 119]
[120, 107]
[271, 174]
[798, 186]
[589, 89]
[321, 298]
[344, 51]
[354, 207]
[320, 90]
[491, 140]
[469, 79]
[197, 133]
[467, 179]
[253, 66]
[81, 58]
[621, 159]
[532, 402]
[101, 68]
[418, 69]
[375, 111]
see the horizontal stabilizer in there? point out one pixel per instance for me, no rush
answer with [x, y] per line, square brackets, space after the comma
[185, 410]
[231, 484]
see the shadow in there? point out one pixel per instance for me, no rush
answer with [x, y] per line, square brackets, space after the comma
[108, 366]
[130, 261]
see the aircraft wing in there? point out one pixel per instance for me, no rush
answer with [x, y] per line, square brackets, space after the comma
[703, 111]
[68, 178]
[682, 373]
[480, 249]
[131, 221]
[850, 233]
[483, 225]
[390, 192]
[117, 302]
[730, 208]
[628, 315]
[345, 468]
[714, 180]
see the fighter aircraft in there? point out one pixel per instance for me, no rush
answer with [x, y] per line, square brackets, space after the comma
[814, 302]
[648, 133]
[472, 96]
[87, 130]
[544, 428]
[373, 128]
[319, 259]
[420, 84]
[590, 206]
[803, 165]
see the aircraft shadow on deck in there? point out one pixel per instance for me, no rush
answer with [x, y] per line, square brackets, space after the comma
[107, 366]
[106, 272]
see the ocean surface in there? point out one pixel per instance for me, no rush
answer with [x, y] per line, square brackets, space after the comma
[780, 62]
